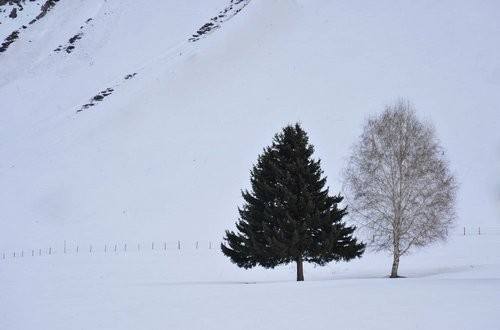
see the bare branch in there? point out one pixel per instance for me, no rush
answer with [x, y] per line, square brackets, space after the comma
[398, 184]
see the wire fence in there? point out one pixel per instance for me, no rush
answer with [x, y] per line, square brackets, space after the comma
[71, 248]
[369, 238]
[479, 230]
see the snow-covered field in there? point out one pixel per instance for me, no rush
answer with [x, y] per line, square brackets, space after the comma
[126, 121]
[450, 286]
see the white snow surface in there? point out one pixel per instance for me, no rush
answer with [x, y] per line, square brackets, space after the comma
[449, 286]
[165, 155]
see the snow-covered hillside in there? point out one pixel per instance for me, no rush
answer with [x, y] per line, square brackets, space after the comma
[169, 127]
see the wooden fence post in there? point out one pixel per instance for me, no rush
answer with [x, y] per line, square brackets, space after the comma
[178, 245]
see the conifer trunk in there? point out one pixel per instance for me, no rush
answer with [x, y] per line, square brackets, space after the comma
[300, 269]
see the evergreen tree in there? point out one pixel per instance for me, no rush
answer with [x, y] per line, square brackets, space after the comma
[288, 216]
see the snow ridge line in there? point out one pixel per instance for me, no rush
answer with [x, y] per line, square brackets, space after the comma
[215, 23]
[9, 40]
[231, 10]
[44, 9]
[104, 93]
[70, 45]
[12, 2]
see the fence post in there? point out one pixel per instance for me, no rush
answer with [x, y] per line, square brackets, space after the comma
[105, 248]
[50, 251]
[115, 247]
[210, 245]
[3, 256]
[464, 231]
[125, 247]
[178, 245]
[39, 252]
[479, 230]
[22, 253]
[90, 248]
[152, 245]
[14, 254]
[77, 248]
[165, 246]
[196, 245]
[64, 246]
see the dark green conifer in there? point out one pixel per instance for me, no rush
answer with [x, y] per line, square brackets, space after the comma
[288, 215]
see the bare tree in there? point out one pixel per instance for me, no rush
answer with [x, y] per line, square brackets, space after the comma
[398, 184]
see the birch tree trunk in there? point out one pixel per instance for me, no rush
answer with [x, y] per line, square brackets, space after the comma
[395, 265]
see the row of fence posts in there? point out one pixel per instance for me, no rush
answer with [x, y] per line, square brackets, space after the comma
[478, 231]
[107, 248]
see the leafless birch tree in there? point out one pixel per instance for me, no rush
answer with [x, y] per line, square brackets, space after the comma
[398, 184]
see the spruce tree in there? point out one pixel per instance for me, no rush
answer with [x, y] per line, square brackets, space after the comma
[288, 214]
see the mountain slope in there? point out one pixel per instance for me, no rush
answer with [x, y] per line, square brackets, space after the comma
[165, 153]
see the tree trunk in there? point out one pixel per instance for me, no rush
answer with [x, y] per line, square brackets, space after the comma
[395, 265]
[300, 269]
[396, 251]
